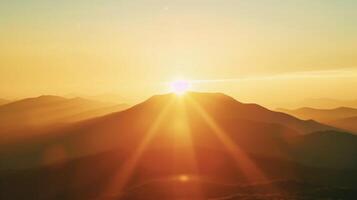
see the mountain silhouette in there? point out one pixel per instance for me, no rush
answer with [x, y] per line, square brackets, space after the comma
[349, 123]
[49, 110]
[327, 149]
[342, 117]
[252, 127]
[322, 115]
[202, 138]
[3, 101]
[321, 103]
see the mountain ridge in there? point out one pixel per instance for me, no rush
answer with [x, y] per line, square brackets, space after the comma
[322, 115]
[49, 109]
[198, 136]
[4, 101]
[132, 124]
[341, 117]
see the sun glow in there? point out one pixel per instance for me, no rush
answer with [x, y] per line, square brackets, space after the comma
[180, 87]
[183, 178]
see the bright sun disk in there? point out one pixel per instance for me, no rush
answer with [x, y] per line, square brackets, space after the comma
[180, 87]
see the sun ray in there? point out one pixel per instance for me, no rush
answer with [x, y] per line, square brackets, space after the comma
[120, 179]
[184, 152]
[247, 166]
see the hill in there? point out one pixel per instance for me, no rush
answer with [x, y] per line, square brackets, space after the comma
[343, 117]
[3, 101]
[50, 110]
[322, 115]
[322, 103]
[349, 123]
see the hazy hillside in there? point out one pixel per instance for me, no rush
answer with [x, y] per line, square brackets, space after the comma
[49, 110]
[349, 123]
[322, 115]
[342, 117]
[321, 103]
[3, 101]
[108, 98]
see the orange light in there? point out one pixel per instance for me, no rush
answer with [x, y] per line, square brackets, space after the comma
[183, 178]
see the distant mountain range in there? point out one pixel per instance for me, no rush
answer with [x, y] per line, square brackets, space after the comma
[51, 110]
[342, 117]
[211, 138]
[3, 101]
[349, 123]
[321, 103]
[322, 115]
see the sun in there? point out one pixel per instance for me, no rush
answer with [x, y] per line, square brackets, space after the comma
[180, 87]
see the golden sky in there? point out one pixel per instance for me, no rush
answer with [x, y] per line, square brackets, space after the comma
[264, 51]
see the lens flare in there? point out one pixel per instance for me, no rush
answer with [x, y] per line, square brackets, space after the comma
[183, 178]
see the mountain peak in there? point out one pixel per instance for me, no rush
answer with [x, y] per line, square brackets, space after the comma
[191, 93]
[49, 98]
[219, 105]
[198, 96]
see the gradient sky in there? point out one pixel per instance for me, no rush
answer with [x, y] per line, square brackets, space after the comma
[258, 50]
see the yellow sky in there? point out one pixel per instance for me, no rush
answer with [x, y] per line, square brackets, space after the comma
[259, 51]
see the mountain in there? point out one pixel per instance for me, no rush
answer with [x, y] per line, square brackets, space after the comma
[322, 103]
[108, 98]
[251, 126]
[332, 103]
[50, 110]
[327, 149]
[3, 101]
[343, 117]
[210, 140]
[258, 113]
[349, 123]
[322, 115]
